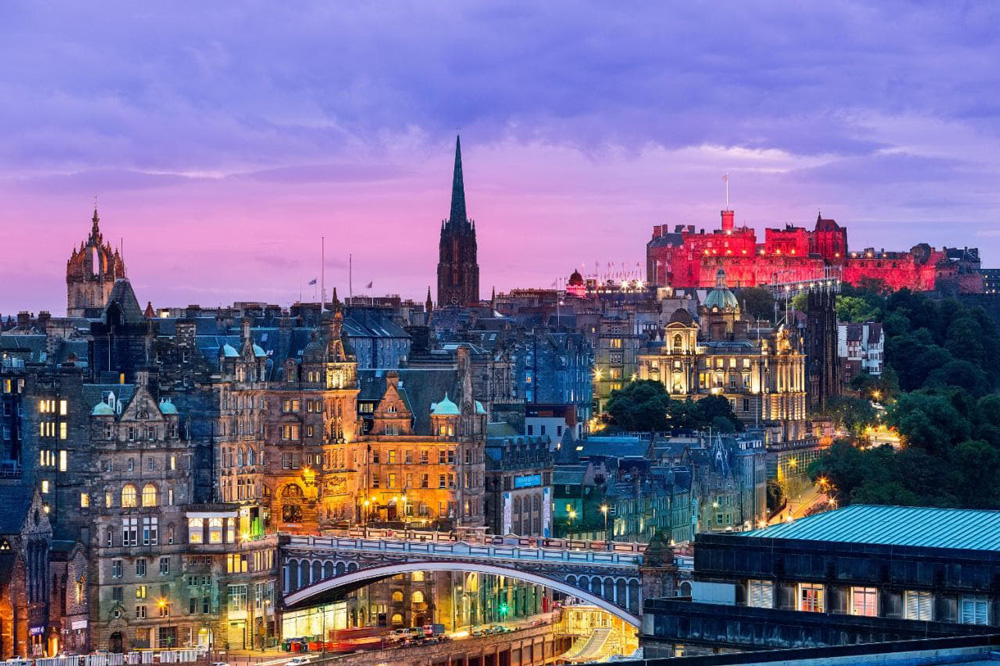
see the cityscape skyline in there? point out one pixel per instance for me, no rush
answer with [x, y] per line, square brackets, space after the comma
[222, 164]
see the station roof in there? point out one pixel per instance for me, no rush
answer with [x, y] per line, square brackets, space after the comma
[959, 529]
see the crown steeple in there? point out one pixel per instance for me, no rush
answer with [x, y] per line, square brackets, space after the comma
[458, 212]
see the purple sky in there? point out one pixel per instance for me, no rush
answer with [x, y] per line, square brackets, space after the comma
[224, 142]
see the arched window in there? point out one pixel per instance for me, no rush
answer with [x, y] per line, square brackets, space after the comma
[250, 456]
[239, 457]
[678, 342]
[149, 495]
[417, 597]
[215, 530]
[128, 496]
[397, 620]
[397, 596]
[417, 576]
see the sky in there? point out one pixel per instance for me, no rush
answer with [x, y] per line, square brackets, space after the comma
[224, 140]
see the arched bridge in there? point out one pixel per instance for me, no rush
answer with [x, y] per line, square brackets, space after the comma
[314, 566]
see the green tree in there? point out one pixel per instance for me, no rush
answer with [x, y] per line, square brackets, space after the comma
[856, 309]
[758, 303]
[641, 405]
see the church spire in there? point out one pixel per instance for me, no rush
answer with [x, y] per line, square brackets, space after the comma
[458, 213]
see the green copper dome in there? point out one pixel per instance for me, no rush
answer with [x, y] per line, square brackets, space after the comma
[721, 297]
[445, 408]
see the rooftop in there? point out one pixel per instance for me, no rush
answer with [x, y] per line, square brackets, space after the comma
[960, 529]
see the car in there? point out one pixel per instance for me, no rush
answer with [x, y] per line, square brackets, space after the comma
[298, 661]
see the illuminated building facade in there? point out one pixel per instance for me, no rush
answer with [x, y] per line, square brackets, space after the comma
[685, 258]
[761, 374]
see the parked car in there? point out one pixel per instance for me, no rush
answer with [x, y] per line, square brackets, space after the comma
[298, 661]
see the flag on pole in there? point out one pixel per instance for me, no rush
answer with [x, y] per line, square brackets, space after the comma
[313, 281]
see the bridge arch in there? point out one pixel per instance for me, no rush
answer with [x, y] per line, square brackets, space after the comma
[353, 578]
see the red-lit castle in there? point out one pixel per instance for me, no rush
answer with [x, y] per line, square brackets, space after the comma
[685, 258]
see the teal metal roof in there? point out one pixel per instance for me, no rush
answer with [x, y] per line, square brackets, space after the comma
[960, 529]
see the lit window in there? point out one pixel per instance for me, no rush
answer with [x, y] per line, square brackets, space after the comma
[128, 497]
[45, 486]
[811, 598]
[84, 500]
[196, 528]
[62, 408]
[215, 530]
[62, 459]
[63, 432]
[149, 495]
[864, 601]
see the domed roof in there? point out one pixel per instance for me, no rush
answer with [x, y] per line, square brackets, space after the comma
[258, 350]
[479, 408]
[445, 408]
[314, 352]
[167, 407]
[575, 279]
[229, 351]
[102, 409]
[681, 316]
[721, 297]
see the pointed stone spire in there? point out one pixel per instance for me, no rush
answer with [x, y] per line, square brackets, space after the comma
[493, 299]
[95, 231]
[458, 213]
[429, 305]
[335, 302]
[149, 313]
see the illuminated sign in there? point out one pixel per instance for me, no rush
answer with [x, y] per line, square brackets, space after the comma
[528, 481]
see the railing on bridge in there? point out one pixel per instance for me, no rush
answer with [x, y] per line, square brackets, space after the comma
[588, 552]
[511, 539]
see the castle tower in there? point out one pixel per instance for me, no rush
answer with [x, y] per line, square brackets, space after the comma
[91, 273]
[458, 268]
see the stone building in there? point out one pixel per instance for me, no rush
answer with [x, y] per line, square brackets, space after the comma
[761, 373]
[25, 583]
[91, 273]
[519, 486]
[458, 267]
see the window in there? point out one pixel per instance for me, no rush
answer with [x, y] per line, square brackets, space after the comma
[150, 530]
[918, 605]
[215, 530]
[974, 609]
[424, 455]
[130, 532]
[760, 594]
[149, 494]
[811, 598]
[417, 576]
[164, 566]
[196, 528]
[140, 613]
[141, 592]
[84, 500]
[116, 568]
[392, 481]
[237, 598]
[392, 457]
[140, 566]
[864, 601]
[290, 431]
[442, 481]
[63, 459]
[45, 486]
[417, 597]
[128, 496]
[397, 597]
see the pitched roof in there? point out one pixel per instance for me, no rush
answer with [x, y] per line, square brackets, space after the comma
[960, 529]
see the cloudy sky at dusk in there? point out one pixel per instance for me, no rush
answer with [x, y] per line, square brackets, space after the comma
[223, 142]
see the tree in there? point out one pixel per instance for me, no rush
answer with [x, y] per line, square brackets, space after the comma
[852, 414]
[856, 309]
[640, 406]
[775, 496]
[758, 303]
[930, 422]
[713, 407]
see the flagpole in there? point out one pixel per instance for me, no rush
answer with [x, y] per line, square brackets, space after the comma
[350, 276]
[322, 275]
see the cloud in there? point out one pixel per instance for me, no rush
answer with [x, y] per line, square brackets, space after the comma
[583, 124]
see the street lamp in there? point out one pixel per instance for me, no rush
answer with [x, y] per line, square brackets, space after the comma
[604, 510]
[572, 516]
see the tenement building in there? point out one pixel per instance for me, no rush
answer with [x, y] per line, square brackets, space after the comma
[761, 372]
[861, 574]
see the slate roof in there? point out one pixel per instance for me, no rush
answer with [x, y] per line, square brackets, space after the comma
[422, 386]
[960, 529]
[614, 447]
